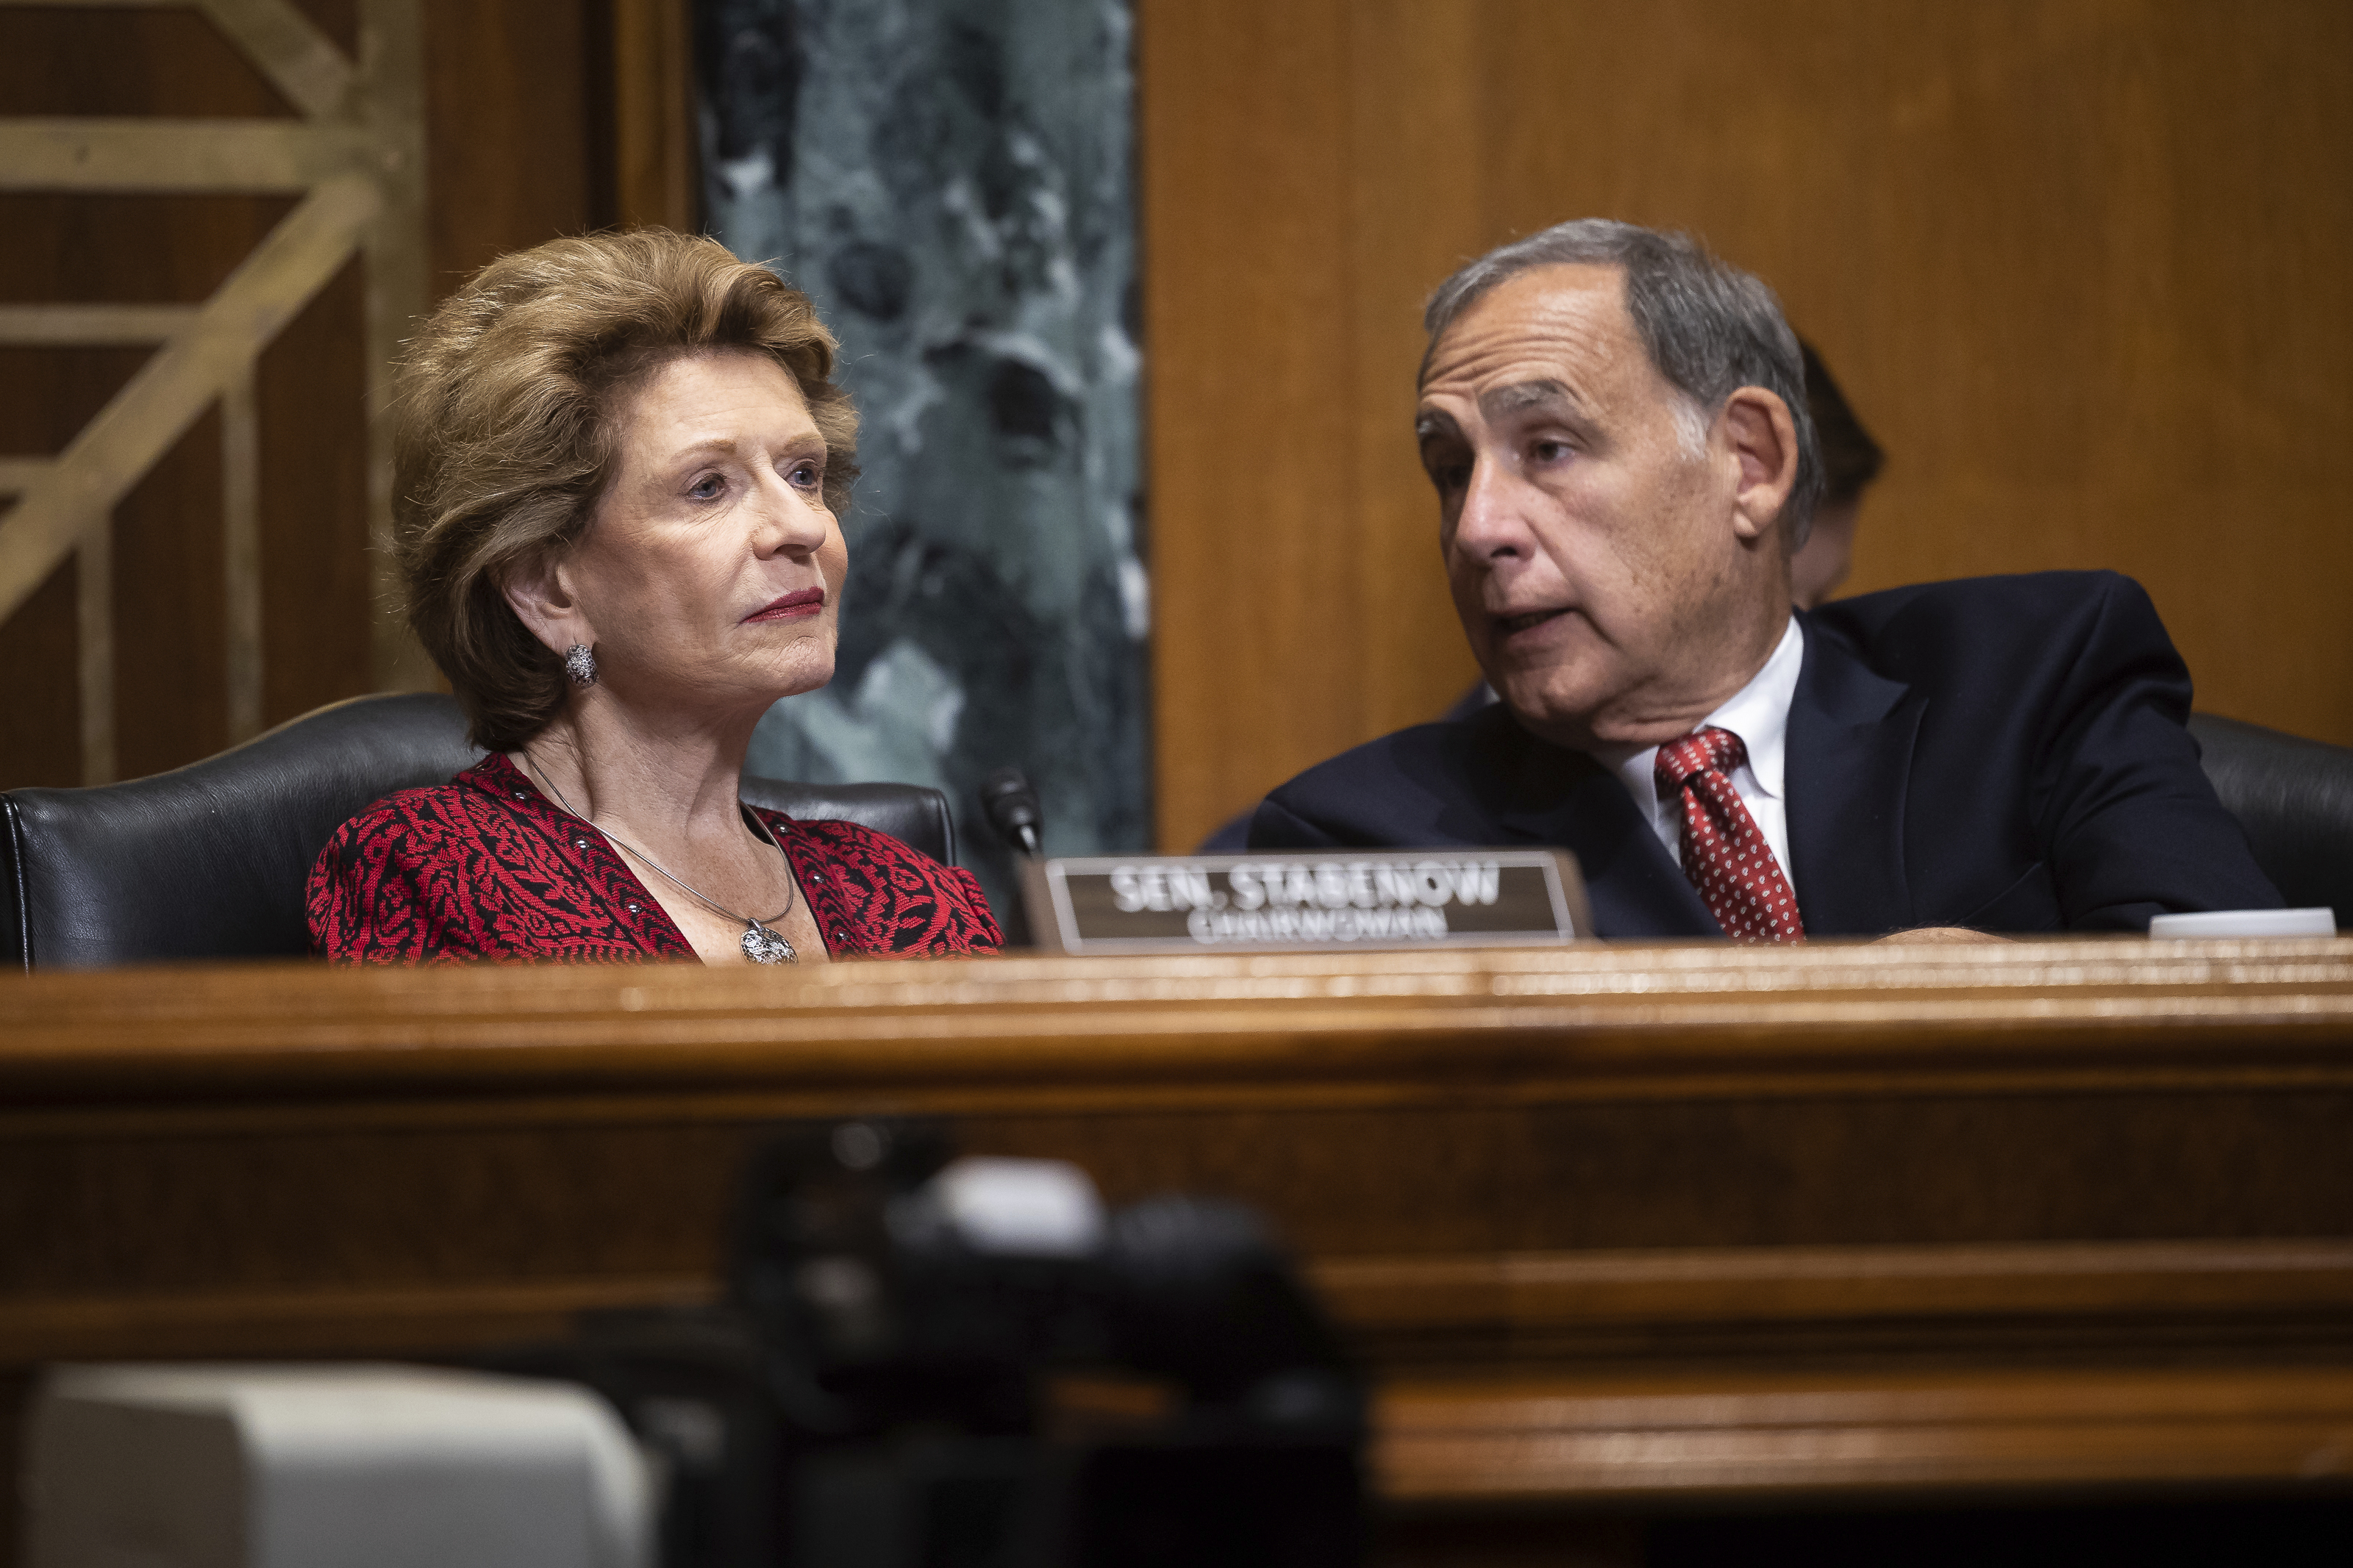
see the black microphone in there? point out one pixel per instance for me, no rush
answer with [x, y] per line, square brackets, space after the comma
[1011, 802]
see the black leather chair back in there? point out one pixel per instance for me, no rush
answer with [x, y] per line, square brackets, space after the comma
[209, 861]
[2294, 798]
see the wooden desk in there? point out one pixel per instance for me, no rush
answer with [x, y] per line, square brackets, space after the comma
[1611, 1224]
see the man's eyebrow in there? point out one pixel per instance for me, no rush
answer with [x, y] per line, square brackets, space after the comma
[1520, 396]
[1434, 423]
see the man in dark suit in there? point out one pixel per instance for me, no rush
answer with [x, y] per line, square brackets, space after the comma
[1615, 422]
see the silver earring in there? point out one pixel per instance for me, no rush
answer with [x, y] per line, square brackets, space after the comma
[580, 664]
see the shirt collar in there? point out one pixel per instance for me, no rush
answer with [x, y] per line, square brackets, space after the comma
[1758, 713]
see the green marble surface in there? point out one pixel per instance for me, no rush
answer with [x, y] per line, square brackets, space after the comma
[953, 182]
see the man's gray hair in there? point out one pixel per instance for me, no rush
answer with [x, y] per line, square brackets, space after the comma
[1709, 327]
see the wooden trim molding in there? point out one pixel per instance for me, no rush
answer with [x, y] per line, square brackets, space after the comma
[384, 1321]
[1594, 1438]
[1600, 1021]
[653, 114]
[1517, 1302]
[1729, 1287]
[1725, 1436]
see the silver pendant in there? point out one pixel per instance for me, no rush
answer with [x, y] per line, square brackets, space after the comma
[761, 946]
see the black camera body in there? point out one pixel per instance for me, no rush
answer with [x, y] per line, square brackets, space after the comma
[928, 1361]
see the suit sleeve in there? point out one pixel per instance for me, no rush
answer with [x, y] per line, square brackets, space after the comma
[1277, 825]
[2131, 827]
[1393, 792]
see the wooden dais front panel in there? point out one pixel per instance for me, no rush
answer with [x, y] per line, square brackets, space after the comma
[1608, 1223]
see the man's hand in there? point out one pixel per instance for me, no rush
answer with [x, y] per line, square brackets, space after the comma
[1939, 934]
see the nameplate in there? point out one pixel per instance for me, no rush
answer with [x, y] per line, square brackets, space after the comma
[1327, 903]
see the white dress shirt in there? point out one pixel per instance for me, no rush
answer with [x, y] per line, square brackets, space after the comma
[1759, 714]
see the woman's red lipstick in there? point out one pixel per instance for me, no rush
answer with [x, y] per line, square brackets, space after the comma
[795, 606]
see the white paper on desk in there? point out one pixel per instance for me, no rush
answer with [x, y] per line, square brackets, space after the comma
[351, 1466]
[2246, 922]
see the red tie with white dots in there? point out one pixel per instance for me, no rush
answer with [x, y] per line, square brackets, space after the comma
[1725, 852]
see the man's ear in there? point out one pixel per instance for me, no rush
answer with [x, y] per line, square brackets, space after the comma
[1764, 441]
[534, 587]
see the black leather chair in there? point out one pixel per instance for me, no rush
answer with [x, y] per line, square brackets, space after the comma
[2294, 798]
[209, 861]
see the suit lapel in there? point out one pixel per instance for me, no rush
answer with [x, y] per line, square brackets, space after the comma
[1636, 889]
[1848, 777]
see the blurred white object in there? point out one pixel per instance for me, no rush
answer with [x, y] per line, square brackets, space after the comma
[328, 1466]
[2246, 922]
[1029, 1207]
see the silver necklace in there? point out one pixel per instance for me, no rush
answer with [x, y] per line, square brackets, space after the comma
[760, 944]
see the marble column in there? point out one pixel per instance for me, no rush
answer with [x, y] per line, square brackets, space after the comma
[952, 181]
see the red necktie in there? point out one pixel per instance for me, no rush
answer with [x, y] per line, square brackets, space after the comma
[1724, 854]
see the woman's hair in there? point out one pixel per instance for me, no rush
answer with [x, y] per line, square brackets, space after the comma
[506, 412]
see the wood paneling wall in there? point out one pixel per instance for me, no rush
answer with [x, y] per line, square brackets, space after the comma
[2084, 266]
[519, 121]
[2081, 264]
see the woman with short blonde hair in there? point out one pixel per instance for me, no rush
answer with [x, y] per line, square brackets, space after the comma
[620, 460]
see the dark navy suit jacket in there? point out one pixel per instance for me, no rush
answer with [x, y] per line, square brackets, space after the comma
[2003, 753]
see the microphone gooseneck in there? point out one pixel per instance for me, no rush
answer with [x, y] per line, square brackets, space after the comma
[1011, 802]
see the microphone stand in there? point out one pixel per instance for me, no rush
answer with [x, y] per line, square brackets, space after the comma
[1010, 802]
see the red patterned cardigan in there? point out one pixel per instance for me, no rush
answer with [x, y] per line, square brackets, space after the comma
[486, 868]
